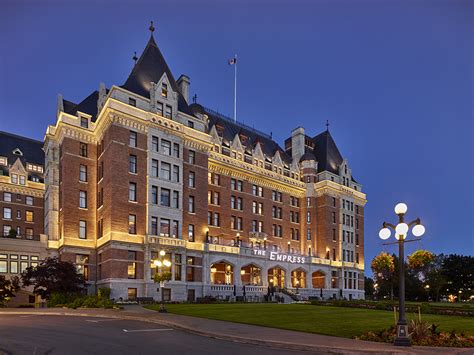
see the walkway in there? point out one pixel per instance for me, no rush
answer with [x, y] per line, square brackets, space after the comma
[244, 333]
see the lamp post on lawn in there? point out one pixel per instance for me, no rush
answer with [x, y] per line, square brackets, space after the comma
[161, 275]
[401, 232]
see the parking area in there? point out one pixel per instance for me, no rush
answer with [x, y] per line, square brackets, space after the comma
[40, 334]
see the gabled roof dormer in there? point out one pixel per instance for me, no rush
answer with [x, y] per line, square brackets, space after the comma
[237, 144]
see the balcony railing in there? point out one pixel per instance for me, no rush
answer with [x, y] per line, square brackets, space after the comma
[24, 237]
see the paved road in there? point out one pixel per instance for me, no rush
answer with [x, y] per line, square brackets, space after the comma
[39, 334]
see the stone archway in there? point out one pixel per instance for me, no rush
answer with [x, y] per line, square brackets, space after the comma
[251, 274]
[298, 278]
[318, 279]
[222, 273]
[276, 276]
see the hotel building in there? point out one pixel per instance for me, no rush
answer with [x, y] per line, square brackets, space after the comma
[136, 169]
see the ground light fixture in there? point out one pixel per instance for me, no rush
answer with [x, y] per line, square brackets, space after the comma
[401, 233]
[161, 263]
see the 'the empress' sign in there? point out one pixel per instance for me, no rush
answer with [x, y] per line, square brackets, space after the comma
[273, 255]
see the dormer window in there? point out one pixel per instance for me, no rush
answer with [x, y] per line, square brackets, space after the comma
[84, 122]
[3, 161]
[132, 102]
[164, 90]
[14, 179]
[169, 111]
[22, 180]
[159, 108]
[18, 152]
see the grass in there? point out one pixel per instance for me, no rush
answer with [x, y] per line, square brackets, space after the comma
[336, 321]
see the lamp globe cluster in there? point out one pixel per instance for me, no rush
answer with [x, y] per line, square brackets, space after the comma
[401, 229]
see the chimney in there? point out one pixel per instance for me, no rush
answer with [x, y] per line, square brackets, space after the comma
[297, 143]
[183, 85]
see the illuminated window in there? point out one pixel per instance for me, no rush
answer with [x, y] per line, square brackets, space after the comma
[29, 216]
[164, 90]
[82, 199]
[83, 229]
[132, 224]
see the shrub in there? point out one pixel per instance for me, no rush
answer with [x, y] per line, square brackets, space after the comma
[104, 293]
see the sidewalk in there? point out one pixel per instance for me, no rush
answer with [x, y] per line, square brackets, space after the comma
[249, 334]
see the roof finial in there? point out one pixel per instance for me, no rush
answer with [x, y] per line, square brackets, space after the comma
[151, 28]
[327, 125]
[195, 97]
[135, 58]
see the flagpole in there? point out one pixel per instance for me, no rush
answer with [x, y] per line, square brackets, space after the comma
[235, 89]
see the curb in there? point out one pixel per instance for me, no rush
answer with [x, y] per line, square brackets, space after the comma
[245, 340]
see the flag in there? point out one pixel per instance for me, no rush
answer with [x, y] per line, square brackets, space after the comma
[233, 61]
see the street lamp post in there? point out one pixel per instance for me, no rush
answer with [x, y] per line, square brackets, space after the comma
[401, 231]
[160, 263]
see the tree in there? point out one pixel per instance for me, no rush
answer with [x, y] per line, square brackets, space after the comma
[383, 267]
[53, 276]
[8, 288]
[369, 288]
[458, 270]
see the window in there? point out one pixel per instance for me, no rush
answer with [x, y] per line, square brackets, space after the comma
[357, 209]
[191, 232]
[192, 157]
[169, 111]
[177, 269]
[276, 196]
[175, 203]
[257, 190]
[357, 223]
[100, 173]
[334, 254]
[165, 197]
[308, 201]
[132, 102]
[333, 235]
[165, 147]
[308, 234]
[164, 90]
[154, 168]
[82, 266]
[191, 204]
[7, 196]
[333, 202]
[6, 230]
[132, 164]
[357, 258]
[154, 225]
[159, 108]
[29, 216]
[175, 229]
[3, 265]
[84, 122]
[175, 173]
[165, 172]
[29, 233]
[82, 173]
[14, 179]
[83, 149]
[165, 227]
[82, 199]
[192, 179]
[357, 238]
[132, 139]
[213, 198]
[22, 180]
[190, 124]
[7, 213]
[154, 143]
[214, 179]
[217, 222]
[100, 228]
[176, 150]
[100, 197]
[83, 229]
[132, 192]
[132, 265]
[18, 216]
[132, 224]
[333, 217]
[308, 217]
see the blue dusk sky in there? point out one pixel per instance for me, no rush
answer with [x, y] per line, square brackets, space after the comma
[394, 79]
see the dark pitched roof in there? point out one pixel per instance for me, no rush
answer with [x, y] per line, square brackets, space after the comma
[328, 156]
[308, 155]
[231, 128]
[88, 105]
[32, 149]
[150, 67]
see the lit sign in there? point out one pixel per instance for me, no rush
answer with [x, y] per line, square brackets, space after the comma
[275, 256]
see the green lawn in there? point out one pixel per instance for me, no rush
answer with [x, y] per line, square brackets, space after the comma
[337, 321]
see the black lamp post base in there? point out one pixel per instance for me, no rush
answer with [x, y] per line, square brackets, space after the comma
[402, 338]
